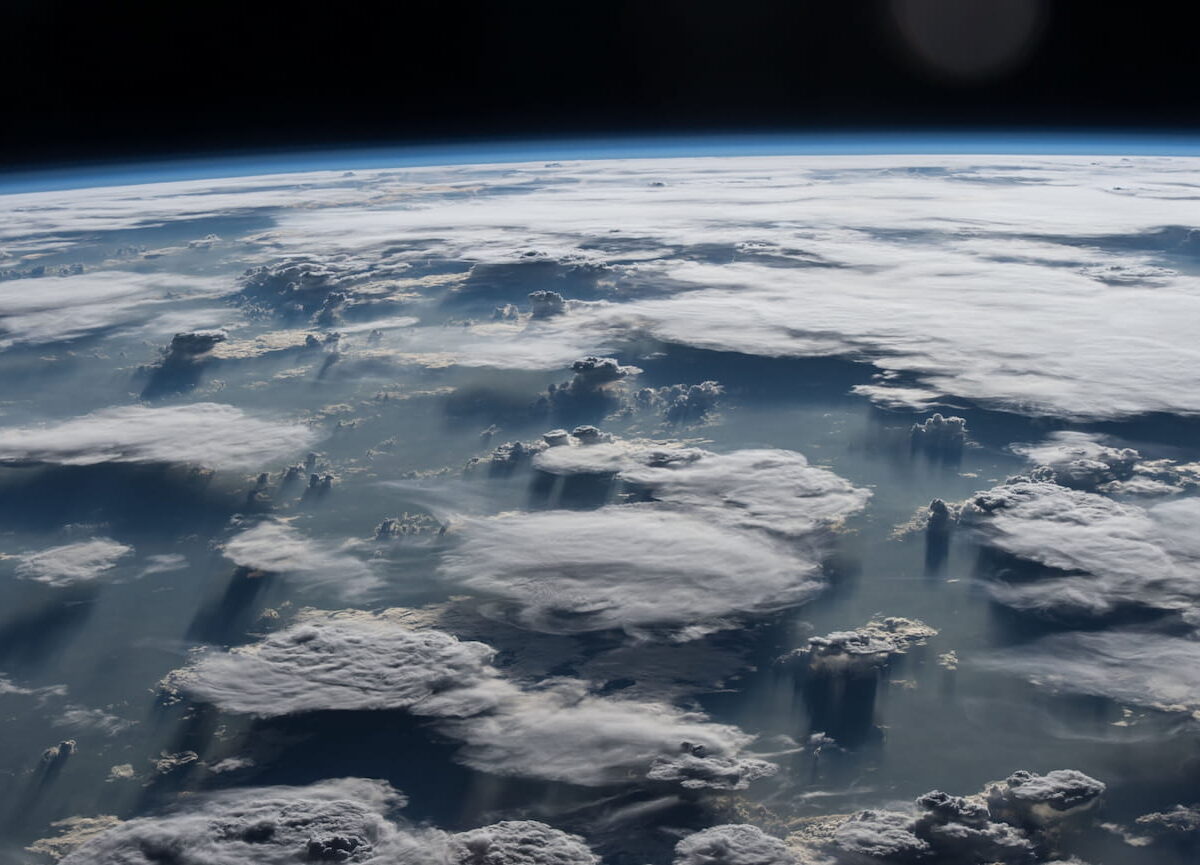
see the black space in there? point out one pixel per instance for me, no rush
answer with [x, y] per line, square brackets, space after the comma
[127, 80]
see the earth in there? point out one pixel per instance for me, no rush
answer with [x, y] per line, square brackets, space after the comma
[730, 509]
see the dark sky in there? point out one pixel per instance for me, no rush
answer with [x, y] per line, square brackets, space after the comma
[99, 81]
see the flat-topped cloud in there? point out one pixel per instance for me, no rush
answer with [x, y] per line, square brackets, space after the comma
[205, 433]
[625, 566]
[278, 548]
[557, 730]
[1113, 555]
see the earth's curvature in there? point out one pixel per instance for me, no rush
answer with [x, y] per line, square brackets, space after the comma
[756, 510]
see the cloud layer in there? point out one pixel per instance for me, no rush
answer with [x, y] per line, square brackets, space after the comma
[208, 434]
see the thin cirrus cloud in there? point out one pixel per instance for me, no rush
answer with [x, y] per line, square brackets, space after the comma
[208, 434]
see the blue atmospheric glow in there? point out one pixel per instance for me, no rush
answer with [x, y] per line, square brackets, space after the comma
[603, 147]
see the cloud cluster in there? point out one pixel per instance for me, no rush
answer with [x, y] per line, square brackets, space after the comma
[863, 648]
[1129, 666]
[624, 566]
[209, 434]
[774, 490]
[72, 564]
[1016, 821]
[556, 731]
[348, 661]
[1106, 555]
[278, 548]
[340, 820]
[733, 844]
[680, 403]
[1081, 461]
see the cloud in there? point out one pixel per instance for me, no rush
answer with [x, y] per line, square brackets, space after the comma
[520, 842]
[346, 662]
[209, 434]
[556, 731]
[624, 566]
[72, 564]
[1026, 798]
[338, 820]
[733, 844]
[559, 732]
[867, 647]
[278, 548]
[60, 308]
[775, 490]
[1113, 555]
[1016, 821]
[1081, 461]
[1128, 666]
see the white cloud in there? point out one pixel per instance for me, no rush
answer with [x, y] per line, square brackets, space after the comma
[54, 308]
[1128, 666]
[338, 820]
[72, 564]
[556, 731]
[1128, 555]
[351, 662]
[733, 844]
[209, 434]
[625, 566]
[279, 548]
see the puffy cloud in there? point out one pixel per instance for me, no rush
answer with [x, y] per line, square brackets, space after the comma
[348, 661]
[339, 820]
[72, 564]
[681, 403]
[733, 844]
[1081, 461]
[1113, 555]
[867, 647]
[1015, 821]
[942, 436]
[520, 842]
[880, 835]
[1128, 666]
[1026, 798]
[278, 548]
[210, 434]
[770, 489]
[545, 304]
[1180, 821]
[624, 566]
[557, 731]
[693, 768]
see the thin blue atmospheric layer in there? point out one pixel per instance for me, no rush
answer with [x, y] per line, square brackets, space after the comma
[1028, 142]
